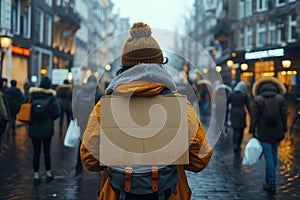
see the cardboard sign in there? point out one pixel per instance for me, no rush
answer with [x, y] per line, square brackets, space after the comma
[144, 131]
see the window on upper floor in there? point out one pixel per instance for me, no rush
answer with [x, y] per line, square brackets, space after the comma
[47, 30]
[280, 3]
[241, 9]
[292, 28]
[37, 25]
[248, 36]
[48, 2]
[271, 33]
[280, 31]
[15, 17]
[241, 43]
[42, 27]
[260, 34]
[26, 23]
[261, 5]
[248, 8]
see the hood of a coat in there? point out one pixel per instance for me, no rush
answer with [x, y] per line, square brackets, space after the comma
[241, 87]
[64, 86]
[141, 80]
[268, 86]
[42, 90]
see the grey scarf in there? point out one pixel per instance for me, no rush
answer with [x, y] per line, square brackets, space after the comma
[152, 73]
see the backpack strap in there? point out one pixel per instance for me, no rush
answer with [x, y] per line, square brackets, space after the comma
[128, 172]
[154, 178]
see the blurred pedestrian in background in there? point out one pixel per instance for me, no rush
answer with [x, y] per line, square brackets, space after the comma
[86, 97]
[3, 110]
[26, 87]
[268, 122]
[239, 104]
[14, 98]
[64, 96]
[45, 109]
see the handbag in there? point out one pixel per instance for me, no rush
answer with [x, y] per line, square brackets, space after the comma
[24, 114]
[253, 152]
[72, 134]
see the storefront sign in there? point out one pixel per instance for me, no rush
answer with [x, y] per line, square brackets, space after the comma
[264, 54]
[21, 51]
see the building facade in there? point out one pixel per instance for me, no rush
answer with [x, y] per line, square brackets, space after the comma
[55, 35]
[252, 39]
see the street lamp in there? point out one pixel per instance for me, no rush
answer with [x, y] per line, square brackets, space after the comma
[5, 42]
[218, 68]
[244, 66]
[286, 64]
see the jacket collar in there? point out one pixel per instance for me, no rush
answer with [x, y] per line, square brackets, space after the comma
[41, 90]
[257, 85]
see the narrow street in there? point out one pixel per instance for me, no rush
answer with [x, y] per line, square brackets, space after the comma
[224, 178]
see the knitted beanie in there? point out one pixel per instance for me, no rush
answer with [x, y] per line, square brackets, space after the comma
[141, 47]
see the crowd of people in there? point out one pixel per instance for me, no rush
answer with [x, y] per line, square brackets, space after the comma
[142, 75]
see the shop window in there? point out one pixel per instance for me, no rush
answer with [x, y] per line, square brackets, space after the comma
[260, 34]
[288, 78]
[264, 68]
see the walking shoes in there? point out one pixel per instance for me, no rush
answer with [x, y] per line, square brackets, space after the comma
[270, 188]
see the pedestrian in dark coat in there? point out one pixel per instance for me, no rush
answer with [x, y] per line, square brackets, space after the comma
[3, 110]
[64, 96]
[268, 135]
[239, 100]
[41, 131]
[86, 97]
[14, 98]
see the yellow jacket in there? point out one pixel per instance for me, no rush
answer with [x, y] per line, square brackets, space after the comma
[200, 151]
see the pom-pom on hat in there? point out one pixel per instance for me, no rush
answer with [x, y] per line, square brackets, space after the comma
[141, 47]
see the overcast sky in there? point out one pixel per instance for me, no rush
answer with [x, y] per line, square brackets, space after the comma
[163, 14]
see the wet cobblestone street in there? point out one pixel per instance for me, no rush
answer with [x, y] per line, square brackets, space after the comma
[224, 178]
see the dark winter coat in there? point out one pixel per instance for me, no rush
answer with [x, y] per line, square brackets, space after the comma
[83, 102]
[238, 100]
[64, 96]
[44, 129]
[14, 98]
[264, 88]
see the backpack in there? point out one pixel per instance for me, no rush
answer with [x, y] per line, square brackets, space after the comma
[143, 182]
[13, 101]
[271, 111]
[40, 108]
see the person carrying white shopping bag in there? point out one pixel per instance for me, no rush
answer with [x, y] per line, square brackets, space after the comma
[72, 134]
[253, 151]
[268, 122]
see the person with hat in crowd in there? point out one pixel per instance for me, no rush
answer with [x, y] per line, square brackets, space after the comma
[142, 73]
[240, 105]
[269, 123]
[41, 127]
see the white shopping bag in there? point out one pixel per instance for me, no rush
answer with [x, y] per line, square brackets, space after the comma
[253, 152]
[72, 134]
